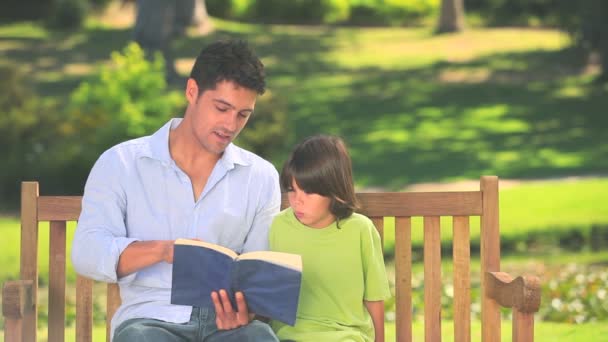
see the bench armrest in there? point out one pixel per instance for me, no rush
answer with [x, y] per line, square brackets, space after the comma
[17, 298]
[521, 293]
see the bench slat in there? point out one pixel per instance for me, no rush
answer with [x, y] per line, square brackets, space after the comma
[403, 279]
[84, 309]
[462, 279]
[112, 304]
[379, 224]
[59, 208]
[57, 251]
[490, 257]
[432, 279]
[465, 203]
[29, 254]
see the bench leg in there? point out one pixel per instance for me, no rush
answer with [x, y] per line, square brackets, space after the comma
[12, 330]
[523, 326]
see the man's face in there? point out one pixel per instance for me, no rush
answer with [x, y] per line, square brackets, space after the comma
[218, 115]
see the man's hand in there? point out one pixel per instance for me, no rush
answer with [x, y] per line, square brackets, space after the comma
[225, 317]
[140, 254]
[167, 247]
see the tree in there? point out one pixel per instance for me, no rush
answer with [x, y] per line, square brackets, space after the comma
[586, 21]
[200, 18]
[159, 22]
[595, 32]
[451, 17]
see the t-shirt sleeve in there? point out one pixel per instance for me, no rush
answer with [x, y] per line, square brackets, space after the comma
[376, 282]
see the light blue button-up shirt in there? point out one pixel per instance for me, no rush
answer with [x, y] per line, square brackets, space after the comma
[136, 192]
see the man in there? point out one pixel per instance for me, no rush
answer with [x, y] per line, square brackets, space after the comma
[187, 180]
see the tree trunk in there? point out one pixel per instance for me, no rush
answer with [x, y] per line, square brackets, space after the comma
[200, 18]
[451, 18]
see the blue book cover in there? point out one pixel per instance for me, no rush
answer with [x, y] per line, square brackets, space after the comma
[270, 281]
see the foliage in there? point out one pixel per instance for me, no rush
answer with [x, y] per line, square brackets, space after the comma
[571, 294]
[362, 12]
[28, 126]
[392, 12]
[576, 294]
[124, 100]
[268, 129]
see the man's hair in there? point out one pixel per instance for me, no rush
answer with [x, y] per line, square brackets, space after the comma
[321, 165]
[228, 60]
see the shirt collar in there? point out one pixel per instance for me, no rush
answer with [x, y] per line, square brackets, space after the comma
[159, 147]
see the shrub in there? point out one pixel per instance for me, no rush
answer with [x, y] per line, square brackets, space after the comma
[125, 99]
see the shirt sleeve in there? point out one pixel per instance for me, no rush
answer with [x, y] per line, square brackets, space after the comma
[101, 234]
[376, 282]
[267, 208]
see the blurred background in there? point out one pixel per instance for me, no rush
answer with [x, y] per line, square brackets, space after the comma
[428, 94]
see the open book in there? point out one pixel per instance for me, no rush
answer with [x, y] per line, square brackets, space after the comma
[270, 281]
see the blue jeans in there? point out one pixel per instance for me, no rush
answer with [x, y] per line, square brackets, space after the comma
[201, 327]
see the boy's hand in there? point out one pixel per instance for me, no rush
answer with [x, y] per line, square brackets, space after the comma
[225, 316]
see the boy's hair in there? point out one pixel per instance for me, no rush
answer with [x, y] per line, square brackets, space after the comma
[321, 165]
[228, 60]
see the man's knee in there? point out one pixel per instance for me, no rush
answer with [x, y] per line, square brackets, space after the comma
[131, 331]
[259, 331]
[255, 331]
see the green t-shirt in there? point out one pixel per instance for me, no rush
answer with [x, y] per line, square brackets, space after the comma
[341, 267]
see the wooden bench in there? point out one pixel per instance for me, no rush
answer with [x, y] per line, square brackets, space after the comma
[498, 289]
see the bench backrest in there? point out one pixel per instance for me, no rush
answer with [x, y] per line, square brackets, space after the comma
[401, 205]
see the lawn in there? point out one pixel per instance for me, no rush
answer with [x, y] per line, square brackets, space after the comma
[413, 107]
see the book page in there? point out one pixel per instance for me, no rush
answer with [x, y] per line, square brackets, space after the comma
[209, 245]
[288, 260]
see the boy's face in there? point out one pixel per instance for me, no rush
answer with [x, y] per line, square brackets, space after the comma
[311, 210]
[218, 115]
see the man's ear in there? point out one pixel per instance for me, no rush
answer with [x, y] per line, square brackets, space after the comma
[191, 90]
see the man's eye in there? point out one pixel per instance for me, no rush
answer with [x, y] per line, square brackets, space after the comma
[222, 109]
[244, 115]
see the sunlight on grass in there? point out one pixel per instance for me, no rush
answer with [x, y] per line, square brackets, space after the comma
[403, 47]
[29, 30]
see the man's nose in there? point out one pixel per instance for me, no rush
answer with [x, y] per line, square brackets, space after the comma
[230, 123]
